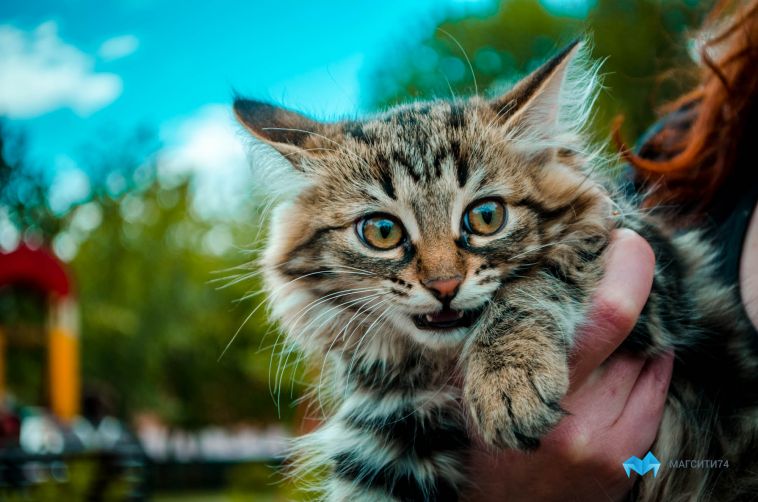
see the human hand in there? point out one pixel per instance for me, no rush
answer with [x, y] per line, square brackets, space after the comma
[615, 400]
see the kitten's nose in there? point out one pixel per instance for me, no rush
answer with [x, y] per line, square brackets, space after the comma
[443, 289]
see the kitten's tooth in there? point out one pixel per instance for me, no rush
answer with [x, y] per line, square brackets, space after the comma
[429, 317]
[460, 314]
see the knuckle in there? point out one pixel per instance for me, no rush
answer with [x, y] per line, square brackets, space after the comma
[573, 445]
[617, 310]
[642, 248]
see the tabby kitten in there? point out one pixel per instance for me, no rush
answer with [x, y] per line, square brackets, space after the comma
[436, 260]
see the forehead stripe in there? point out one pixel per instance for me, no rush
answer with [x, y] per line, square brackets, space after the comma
[355, 130]
[400, 158]
[457, 116]
[312, 240]
[543, 211]
[385, 177]
[461, 163]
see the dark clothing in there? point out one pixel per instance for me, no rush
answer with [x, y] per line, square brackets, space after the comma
[729, 228]
[726, 219]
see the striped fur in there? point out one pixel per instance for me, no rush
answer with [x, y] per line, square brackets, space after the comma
[405, 401]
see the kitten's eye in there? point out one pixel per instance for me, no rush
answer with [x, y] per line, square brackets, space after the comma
[380, 231]
[484, 217]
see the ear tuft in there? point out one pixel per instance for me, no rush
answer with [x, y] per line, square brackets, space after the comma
[527, 88]
[554, 102]
[280, 175]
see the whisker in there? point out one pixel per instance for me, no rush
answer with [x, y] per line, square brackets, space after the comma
[318, 328]
[541, 247]
[277, 380]
[463, 51]
[326, 356]
[263, 215]
[314, 304]
[345, 306]
[262, 291]
[251, 314]
[357, 348]
[338, 294]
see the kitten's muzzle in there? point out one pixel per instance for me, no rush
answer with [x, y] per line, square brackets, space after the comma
[447, 318]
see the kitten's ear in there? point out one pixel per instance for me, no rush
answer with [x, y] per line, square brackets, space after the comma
[535, 106]
[285, 130]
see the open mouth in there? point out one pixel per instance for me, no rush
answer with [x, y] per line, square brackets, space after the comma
[447, 319]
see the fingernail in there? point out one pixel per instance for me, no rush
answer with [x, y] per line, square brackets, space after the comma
[623, 233]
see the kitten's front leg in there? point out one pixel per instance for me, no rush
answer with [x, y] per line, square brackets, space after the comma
[517, 366]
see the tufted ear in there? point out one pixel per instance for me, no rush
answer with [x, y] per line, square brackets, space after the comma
[287, 131]
[551, 99]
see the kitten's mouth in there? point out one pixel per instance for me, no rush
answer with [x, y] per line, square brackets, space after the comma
[447, 319]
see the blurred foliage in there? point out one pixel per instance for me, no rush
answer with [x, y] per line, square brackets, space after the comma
[245, 481]
[153, 321]
[23, 193]
[23, 204]
[72, 481]
[640, 41]
[153, 326]
[147, 304]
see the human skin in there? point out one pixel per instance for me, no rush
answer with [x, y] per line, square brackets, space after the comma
[615, 401]
[749, 270]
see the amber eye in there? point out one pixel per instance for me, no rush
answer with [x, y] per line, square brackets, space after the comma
[484, 217]
[380, 231]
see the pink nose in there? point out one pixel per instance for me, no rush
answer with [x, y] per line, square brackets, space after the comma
[443, 289]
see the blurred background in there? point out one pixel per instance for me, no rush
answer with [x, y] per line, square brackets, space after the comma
[129, 217]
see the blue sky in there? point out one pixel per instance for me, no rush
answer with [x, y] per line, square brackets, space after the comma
[136, 62]
[73, 71]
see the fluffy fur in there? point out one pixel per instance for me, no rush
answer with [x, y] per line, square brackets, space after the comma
[405, 399]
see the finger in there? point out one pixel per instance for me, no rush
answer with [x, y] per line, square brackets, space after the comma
[639, 421]
[617, 302]
[617, 378]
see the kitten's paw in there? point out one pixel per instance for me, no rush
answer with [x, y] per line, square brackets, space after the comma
[510, 407]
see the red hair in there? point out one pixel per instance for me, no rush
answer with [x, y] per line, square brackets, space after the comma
[688, 161]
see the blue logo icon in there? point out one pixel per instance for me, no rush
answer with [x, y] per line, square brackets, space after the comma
[641, 467]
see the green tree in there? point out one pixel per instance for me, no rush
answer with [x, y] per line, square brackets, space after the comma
[23, 192]
[153, 321]
[154, 326]
[640, 41]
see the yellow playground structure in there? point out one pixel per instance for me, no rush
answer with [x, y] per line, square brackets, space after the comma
[40, 271]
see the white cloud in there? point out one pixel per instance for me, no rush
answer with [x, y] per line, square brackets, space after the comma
[9, 234]
[70, 185]
[39, 73]
[208, 146]
[118, 47]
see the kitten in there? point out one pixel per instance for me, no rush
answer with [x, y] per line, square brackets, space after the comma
[436, 259]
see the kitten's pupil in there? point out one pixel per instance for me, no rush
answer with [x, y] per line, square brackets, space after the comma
[485, 218]
[380, 232]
